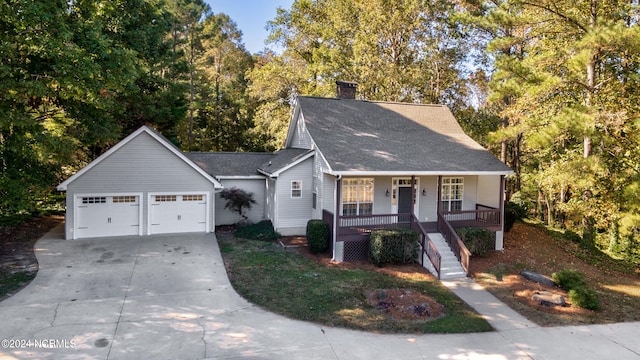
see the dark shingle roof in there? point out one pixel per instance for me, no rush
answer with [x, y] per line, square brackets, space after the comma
[283, 159]
[356, 135]
[223, 164]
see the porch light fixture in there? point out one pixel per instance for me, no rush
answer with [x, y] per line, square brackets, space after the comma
[424, 192]
[386, 193]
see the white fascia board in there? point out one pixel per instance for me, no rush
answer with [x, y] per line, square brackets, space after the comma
[325, 161]
[289, 166]
[99, 159]
[133, 135]
[267, 174]
[241, 177]
[418, 173]
[292, 123]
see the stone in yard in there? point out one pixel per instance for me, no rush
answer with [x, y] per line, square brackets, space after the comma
[539, 278]
[549, 299]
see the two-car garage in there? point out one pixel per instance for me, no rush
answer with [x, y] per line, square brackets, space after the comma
[99, 215]
[141, 186]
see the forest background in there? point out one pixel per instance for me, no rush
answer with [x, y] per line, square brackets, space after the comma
[551, 87]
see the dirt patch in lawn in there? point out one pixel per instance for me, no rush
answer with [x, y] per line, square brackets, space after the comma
[404, 304]
[18, 264]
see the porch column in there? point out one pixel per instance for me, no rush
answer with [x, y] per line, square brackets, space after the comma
[413, 200]
[500, 233]
[338, 251]
[439, 205]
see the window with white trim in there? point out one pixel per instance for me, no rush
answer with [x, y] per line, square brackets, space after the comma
[165, 198]
[94, 200]
[357, 196]
[296, 189]
[452, 193]
[124, 199]
[192, 197]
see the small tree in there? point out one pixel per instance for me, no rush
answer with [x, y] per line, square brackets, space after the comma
[238, 200]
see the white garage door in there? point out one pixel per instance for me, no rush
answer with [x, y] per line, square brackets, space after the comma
[98, 215]
[172, 213]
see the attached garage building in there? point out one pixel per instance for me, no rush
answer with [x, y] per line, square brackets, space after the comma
[143, 185]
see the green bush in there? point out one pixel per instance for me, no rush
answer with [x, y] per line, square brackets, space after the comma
[569, 279]
[393, 246]
[519, 204]
[579, 292]
[317, 236]
[478, 240]
[260, 231]
[584, 298]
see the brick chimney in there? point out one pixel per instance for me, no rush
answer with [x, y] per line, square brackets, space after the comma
[346, 89]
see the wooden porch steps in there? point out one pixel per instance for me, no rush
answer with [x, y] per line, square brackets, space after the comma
[450, 267]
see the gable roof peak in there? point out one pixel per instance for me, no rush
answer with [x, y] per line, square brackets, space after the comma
[156, 136]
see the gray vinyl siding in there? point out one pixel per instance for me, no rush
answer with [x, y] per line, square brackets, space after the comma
[270, 200]
[381, 202]
[318, 185]
[294, 213]
[142, 165]
[255, 214]
[329, 193]
[470, 198]
[489, 190]
[429, 202]
[301, 138]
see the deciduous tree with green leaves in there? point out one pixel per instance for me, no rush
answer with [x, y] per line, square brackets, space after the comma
[70, 73]
[572, 90]
[409, 50]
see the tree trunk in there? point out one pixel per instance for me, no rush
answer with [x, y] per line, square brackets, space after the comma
[191, 86]
[587, 235]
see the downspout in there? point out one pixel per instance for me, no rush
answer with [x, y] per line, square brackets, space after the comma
[501, 202]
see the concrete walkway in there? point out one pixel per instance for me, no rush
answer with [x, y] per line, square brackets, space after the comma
[168, 297]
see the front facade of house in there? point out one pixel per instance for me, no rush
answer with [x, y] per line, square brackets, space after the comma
[357, 164]
[379, 164]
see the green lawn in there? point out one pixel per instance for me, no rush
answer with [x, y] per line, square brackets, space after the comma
[284, 282]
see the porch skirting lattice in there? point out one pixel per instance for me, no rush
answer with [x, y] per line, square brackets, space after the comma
[356, 250]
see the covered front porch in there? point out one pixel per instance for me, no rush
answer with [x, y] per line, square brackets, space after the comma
[427, 204]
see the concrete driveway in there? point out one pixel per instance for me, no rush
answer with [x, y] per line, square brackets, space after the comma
[168, 297]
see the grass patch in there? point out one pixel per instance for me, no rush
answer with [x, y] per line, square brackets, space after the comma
[11, 282]
[286, 283]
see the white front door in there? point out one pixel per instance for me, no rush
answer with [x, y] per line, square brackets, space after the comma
[100, 215]
[177, 213]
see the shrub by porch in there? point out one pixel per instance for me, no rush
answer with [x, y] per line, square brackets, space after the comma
[394, 246]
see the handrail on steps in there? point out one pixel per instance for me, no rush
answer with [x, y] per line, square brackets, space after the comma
[455, 243]
[428, 247]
